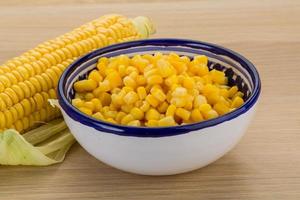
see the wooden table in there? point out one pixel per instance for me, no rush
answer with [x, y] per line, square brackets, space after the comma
[264, 165]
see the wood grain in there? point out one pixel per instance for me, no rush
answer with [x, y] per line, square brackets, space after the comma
[264, 165]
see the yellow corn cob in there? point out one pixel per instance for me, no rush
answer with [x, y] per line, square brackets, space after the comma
[27, 81]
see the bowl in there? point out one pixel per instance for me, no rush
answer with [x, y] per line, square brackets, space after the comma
[162, 150]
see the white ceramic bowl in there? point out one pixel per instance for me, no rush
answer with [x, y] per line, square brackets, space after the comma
[168, 150]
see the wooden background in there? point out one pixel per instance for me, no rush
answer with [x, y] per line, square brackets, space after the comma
[264, 165]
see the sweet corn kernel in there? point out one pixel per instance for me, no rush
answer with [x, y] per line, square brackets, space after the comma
[86, 110]
[178, 101]
[114, 79]
[232, 91]
[141, 80]
[95, 75]
[204, 108]
[98, 115]
[218, 76]
[237, 102]
[172, 80]
[162, 108]
[134, 123]
[167, 121]
[154, 79]
[141, 91]
[188, 83]
[131, 97]
[196, 115]
[145, 106]
[129, 82]
[122, 70]
[77, 103]
[152, 100]
[105, 98]
[165, 68]
[151, 123]
[201, 59]
[97, 104]
[171, 110]
[104, 86]
[85, 85]
[126, 108]
[111, 120]
[152, 114]
[179, 92]
[126, 119]
[211, 114]
[199, 100]
[158, 94]
[137, 113]
[183, 113]
[221, 108]
[120, 116]
[89, 105]
[88, 96]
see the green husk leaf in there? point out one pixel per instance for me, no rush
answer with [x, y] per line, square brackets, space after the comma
[54, 142]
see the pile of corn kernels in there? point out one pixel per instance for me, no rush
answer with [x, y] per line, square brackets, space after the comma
[155, 90]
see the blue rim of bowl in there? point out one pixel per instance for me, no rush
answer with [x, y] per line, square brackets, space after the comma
[76, 115]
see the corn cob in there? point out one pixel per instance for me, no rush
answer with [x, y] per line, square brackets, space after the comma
[28, 81]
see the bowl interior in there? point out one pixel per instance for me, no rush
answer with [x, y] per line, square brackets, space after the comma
[239, 70]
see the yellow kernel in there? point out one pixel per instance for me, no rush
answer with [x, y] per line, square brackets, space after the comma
[232, 91]
[85, 85]
[237, 102]
[167, 121]
[120, 116]
[141, 80]
[240, 94]
[152, 114]
[211, 114]
[98, 115]
[110, 114]
[134, 123]
[224, 92]
[188, 83]
[165, 68]
[204, 108]
[152, 100]
[131, 97]
[77, 102]
[129, 82]
[111, 120]
[172, 80]
[105, 98]
[202, 59]
[114, 79]
[158, 94]
[89, 105]
[145, 106]
[88, 96]
[137, 113]
[171, 110]
[221, 108]
[126, 108]
[183, 113]
[86, 110]
[179, 101]
[141, 91]
[104, 86]
[199, 100]
[126, 119]
[122, 70]
[179, 92]
[188, 105]
[154, 79]
[218, 76]
[196, 115]
[95, 75]
[97, 104]
[163, 107]
[151, 123]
